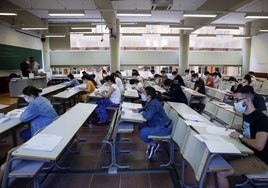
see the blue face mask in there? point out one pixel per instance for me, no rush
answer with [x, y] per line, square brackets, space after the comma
[239, 107]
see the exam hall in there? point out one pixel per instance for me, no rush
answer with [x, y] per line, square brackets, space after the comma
[161, 40]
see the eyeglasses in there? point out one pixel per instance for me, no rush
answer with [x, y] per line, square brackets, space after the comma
[238, 100]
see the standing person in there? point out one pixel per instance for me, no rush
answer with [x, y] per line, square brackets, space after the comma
[73, 81]
[158, 123]
[39, 112]
[217, 71]
[90, 87]
[110, 99]
[217, 80]
[253, 133]
[25, 67]
[199, 84]
[209, 79]
[35, 66]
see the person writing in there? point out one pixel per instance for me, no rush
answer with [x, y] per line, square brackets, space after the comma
[39, 112]
[90, 87]
[73, 81]
[253, 133]
[111, 98]
[157, 121]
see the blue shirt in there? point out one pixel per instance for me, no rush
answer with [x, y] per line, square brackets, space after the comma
[155, 115]
[39, 113]
[74, 82]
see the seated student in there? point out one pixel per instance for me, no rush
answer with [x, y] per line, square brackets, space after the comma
[158, 123]
[258, 100]
[97, 80]
[175, 93]
[234, 84]
[158, 79]
[199, 85]
[253, 133]
[217, 79]
[73, 81]
[164, 74]
[209, 80]
[137, 85]
[136, 75]
[118, 82]
[179, 79]
[39, 112]
[188, 75]
[110, 99]
[90, 87]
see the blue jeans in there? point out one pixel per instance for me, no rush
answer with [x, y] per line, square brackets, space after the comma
[101, 109]
[144, 131]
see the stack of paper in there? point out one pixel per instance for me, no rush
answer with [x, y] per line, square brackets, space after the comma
[15, 113]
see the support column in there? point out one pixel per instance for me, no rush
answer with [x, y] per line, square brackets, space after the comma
[246, 47]
[184, 51]
[115, 50]
[46, 56]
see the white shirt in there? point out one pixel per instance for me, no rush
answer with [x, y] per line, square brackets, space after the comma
[115, 97]
[119, 83]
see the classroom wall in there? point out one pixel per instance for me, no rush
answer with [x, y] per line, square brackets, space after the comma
[14, 38]
[259, 55]
[144, 57]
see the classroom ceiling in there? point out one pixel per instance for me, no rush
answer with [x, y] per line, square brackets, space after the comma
[229, 13]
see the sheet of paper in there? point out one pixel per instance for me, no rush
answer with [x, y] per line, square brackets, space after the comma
[217, 144]
[129, 105]
[191, 117]
[4, 119]
[15, 113]
[44, 142]
[218, 130]
[197, 124]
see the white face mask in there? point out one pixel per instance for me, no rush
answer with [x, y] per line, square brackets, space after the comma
[157, 81]
[238, 106]
[194, 80]
[232, 83]
[27, 99]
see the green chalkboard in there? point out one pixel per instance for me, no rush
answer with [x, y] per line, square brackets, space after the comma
[12, 56]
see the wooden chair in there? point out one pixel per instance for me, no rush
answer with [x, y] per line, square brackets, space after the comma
[16, 167]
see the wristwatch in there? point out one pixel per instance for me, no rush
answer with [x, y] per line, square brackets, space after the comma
[241, 136]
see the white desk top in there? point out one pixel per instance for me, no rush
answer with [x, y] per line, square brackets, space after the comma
[53, 88]
[193, 92]
[128, 115]
[66, 94]
[3, 106]
[65, 126]
[9, 124]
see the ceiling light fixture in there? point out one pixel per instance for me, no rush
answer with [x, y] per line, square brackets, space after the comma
[54, 35]
[206, 35]
[66, 13]
[131, 34]
[82, 28]
[8, 13]
[257, 15]
[199, 15]
[136, 13]
[34, 28]
[263, 30]
[181, 27]
[169, 34]
[94, 34]
[242, 36]
[226, 28]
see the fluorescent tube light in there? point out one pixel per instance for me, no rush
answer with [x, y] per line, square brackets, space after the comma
[140, 13]
[206, 35]
[169, 34]
[200, 15]
[226, 28]
[263, 30]
[54, 35]
[34, 28]
[66, 13]
[259, 15]
[242, 36]
[93, 34]
[131, 34]
[8, 13]
[82, 28]
[181, 27]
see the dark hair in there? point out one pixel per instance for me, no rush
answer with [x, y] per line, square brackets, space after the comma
[187, 70]
[135, 74]
[167, 82]
[71, 76]
[31, 90]
[232, 79]
[174, 72]
[248, 78]
[88, 77]
[246, 91]
[158, 76]
[206, 73]
[250, 72]
[110, 78]
[149, 90]
[133, 81]
[195, 75]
